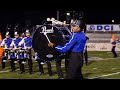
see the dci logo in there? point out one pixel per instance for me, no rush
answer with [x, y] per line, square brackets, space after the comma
[100, 27]
[104, 27]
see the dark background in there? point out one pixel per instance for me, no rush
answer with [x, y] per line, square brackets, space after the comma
[36, 16]
[92, 15]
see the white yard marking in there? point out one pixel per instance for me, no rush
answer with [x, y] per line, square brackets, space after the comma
[114, 68]
[94, 68]
[105, 75]
[99, 59]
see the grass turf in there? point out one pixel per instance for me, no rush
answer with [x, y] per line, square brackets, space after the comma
[95, 68]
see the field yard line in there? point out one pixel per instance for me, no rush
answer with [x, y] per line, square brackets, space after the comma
[111, 58]
[105, 75]
[4, 71]
[105, 59]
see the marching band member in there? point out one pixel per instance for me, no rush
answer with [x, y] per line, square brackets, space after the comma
[6, 45]
[40, 62]
[75, 47]
[27, 44]
[14, 50]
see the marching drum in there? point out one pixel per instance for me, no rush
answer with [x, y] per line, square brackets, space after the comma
[21, 54]
[48, 33]
[6, 52]
[6, 55]
[13, 54]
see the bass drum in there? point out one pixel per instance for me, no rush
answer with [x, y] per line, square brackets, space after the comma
[40, 42]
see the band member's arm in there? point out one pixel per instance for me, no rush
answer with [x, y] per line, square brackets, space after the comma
[21, 46]
[21, 42]
[11, 45]
[3, 43]
[68, 45]
[29, 48]
[30, 44]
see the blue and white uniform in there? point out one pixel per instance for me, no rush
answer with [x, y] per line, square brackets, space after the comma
[14, 44]
[26, 42]
[6, 44]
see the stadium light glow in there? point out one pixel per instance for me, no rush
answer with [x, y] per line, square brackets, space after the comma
[113, 20]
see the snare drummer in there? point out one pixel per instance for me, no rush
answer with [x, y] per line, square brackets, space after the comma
[14, 50]
[27, 44]
[40, 62]
[6, 45]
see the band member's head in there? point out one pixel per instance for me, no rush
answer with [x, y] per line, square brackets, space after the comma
[77, 25]
[16, 34]
[23, 35]
[7, 35]
[27, 33]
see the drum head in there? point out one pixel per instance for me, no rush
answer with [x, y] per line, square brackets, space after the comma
[40, 42]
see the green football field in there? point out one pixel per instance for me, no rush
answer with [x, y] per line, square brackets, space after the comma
[101, 65]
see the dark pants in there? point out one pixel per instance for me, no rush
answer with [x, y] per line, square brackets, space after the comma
[113, 51]
[59, 69]
[86, 56]
[40, 67]
[3, 63]
[30, 63]
[12, 64]
[49, 68]
[66, 63]
[21, 66]
[74, 66]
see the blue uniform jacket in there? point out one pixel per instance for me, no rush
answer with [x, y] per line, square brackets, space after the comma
[76, 43]
[28, 42]
[8, 41]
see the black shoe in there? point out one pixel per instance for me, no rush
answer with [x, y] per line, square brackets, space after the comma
[50, 75]
[115, 56]
[2, 68]
[30, 72]
[22, 72]
[12, 70]
[40, 73]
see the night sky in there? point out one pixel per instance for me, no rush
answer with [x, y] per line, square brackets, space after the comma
[92, 16]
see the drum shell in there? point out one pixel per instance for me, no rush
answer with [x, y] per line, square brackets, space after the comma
[40, 43]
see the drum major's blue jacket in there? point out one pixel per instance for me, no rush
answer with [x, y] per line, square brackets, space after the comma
[76, 43]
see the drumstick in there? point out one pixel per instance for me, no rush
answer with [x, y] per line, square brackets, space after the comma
[47, 37]
[45, 33]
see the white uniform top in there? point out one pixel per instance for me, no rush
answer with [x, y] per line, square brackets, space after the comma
[13, 44]
[22, 42]
[3, 44]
